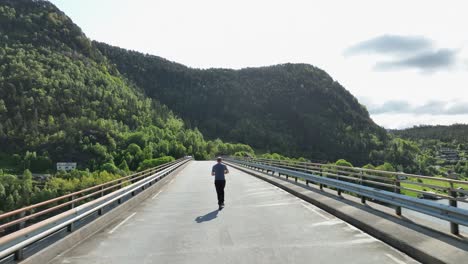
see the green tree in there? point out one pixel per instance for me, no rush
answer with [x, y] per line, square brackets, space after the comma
[151, 163]
[27, 180]
[3, 108]
[110, 167]
[344, 163]
[385, 167]
[124, 166]
[2, 191]
[9, 203]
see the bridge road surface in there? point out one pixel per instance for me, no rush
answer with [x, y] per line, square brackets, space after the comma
[260, 224]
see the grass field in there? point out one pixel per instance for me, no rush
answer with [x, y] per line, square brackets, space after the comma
[443, 186]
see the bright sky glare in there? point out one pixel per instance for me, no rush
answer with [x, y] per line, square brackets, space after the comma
[407, 61]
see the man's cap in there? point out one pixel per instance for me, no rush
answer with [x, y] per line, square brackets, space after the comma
[219, 158]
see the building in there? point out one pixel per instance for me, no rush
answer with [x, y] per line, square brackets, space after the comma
[449, 155]
[66, 166]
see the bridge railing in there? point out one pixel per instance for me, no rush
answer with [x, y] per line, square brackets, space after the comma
[35, 222]
[389, 187]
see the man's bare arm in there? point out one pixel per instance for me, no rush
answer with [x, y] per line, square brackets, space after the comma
[226, 171]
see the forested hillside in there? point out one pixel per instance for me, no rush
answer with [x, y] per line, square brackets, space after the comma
[60, 100]
[458, 132]
[444, 147]
[293, 109]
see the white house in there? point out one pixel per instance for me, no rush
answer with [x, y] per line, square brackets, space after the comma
[66, 166]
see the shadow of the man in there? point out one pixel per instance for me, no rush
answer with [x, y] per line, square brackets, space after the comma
[209, 216]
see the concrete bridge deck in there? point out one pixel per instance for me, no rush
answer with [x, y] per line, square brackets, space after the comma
[260, 224]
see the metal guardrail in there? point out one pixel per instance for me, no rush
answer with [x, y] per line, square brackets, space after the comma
[342, 179]
[20, 218]
[381, 178]
[13, 245]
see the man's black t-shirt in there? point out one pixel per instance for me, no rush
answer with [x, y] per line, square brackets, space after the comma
[219, 169]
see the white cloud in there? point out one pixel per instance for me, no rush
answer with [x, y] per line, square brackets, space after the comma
[391, 44]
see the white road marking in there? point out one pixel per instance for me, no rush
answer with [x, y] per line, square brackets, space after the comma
[156, 195]
[259, 189]
[316, 212]
[394, 259]
[121, 223]
[360, 235]
[328, 223]
[356, 229]
[274, 204]
[261, 193]
[171, 181]
[362, 241]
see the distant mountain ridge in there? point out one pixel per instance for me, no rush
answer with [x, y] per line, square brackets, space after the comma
[293, 109]
[458, 132]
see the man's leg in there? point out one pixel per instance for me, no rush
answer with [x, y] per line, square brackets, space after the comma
[218, 191]
[223, 184]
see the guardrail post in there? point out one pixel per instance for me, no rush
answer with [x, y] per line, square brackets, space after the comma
[72, 198]
[338, 179]
[363, 199]
[321, 175]
[454, 229]
[295, 179]
[19, 253]
[71, 226]
[102, 192]
[397, 190]
[307, 182]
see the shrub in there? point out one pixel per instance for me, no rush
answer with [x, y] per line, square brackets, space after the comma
[344, 163]
[150, 163]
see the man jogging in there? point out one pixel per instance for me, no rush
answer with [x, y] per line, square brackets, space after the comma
[218, 171]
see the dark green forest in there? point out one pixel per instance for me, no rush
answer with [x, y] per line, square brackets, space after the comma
[457, 133]
[293, 109]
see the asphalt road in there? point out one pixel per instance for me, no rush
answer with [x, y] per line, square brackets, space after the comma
[260, 224]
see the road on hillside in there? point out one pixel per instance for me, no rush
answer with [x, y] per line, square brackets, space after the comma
[260, 224]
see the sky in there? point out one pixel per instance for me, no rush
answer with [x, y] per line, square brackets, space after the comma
[406, 61]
